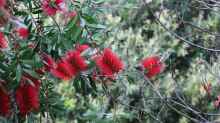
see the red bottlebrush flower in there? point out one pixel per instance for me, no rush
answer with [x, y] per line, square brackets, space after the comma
[50, 7]
[63, 70]
[3, 41]
[2, 3]
[81, 48]
[77, 62]
[69, 66]
[21, 101]
[49, 62]
[23, 32]
[27, 95]
[109, 63]
[5, 103]
[32, 97]
[153, 66]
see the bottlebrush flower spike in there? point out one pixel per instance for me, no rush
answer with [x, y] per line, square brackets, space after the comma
[4, 104]
[32, 97]
[23, 32]
[153, 66]
[63, 70]
[109, 63]
[69, 66]
[21, 101]
[77, 62]
[27, 95]
[3, 41]
[50, 7]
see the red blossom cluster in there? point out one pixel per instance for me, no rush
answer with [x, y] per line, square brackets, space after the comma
[152, 66]
[107, 62]
[69, 65]
[27, 94]
[5, 104]
[22, 32]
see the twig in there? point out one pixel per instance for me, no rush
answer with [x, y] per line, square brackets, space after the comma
[172, 33]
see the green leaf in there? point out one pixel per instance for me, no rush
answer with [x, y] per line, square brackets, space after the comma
[26, 54]
[97, 26]
[73, 31]
[76, 84]
[89, 19]
[32, 73]
[72, 23]
[21, 13]
[37, 11]
[3, 66]
[77, 34]
[18, 73]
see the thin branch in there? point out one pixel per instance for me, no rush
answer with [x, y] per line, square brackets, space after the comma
[172, 33]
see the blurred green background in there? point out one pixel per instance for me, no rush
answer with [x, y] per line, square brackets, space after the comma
[133, 32]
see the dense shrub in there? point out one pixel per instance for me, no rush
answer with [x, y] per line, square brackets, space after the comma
[116, 61]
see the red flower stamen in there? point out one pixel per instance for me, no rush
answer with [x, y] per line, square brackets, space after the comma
[23, 32]
[153, 66]
[109, 63]
[27, 94]
[4, 103]
[63, 70]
